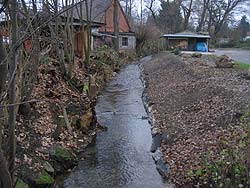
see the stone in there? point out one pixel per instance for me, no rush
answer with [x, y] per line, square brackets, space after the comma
[62, 159]
[40, 179]
[61, 153]
[157, 155]
[156, 142]
[21, 184]
[161, 165]
[47, 166]
[44, 179]
[25, 109]
[86, 120]
[224, 62]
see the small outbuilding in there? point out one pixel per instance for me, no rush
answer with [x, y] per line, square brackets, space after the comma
[188, 41]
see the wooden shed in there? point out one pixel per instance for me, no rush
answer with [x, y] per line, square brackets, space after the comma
[185, 40]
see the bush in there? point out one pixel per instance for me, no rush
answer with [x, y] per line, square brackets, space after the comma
[176, 51]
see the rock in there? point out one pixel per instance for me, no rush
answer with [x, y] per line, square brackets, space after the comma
[154, 131]
[246, 76]
[157, 155]
[61, 153]
[144, 118]
[224, 62]
[21, 184]
[39, 180]
[47, 166]
[86, 120]
[25, 110]
[156, 142]
[62, 159]
[44, 179]
[196, 55]
[161, 165]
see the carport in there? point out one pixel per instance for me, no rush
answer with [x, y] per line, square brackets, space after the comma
[185, 40]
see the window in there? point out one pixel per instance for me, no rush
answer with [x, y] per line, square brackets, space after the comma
[124, 41]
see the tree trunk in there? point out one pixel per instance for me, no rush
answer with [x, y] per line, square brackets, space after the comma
[3, 66]
[5, 179]
[12, 91]
[187, 14]
[203, 15]
[116, 26]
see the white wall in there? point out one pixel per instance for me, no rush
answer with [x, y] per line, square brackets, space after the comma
[131, 42]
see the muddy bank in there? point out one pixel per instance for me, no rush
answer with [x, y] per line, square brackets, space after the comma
[54, 129]
[195, 106]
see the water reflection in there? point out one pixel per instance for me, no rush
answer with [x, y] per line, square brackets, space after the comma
[121, 157]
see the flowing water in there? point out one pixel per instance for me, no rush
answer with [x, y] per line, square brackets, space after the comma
[121, 157]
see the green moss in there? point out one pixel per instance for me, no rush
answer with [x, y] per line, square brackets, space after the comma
[62, 153]
[241, 65]
[45, 179]
[21, 184]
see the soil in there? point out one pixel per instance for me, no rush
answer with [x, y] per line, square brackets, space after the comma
[42, 128]
[195, 106]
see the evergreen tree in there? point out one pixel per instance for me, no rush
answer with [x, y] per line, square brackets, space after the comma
[244, 26]
[170, 19]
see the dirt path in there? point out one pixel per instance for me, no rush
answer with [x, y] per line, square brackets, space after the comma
[235, 54]
[195, 107]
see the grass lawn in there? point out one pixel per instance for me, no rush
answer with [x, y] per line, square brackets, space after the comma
[240, 65]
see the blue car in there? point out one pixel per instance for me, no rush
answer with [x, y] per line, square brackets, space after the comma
[201, 47]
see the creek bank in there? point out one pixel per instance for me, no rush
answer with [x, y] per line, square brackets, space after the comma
[53, 131]
[195, 106]
[157, 137]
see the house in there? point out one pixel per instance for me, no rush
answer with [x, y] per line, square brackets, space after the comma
[188, 41]
[102, 13]
[102, 27]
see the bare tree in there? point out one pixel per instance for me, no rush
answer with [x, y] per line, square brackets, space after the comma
[219, 12]
[12, 91]
[5, 178]
[202, 16]
[187, 7]
[151, 6]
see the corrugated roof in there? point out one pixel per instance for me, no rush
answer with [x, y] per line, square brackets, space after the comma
[187, 34]
[97, 12]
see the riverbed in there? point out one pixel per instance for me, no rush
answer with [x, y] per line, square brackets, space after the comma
[121, 156]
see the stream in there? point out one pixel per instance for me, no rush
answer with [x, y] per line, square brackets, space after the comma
[121, 156]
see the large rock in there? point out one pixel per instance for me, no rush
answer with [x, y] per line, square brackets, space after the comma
[156, 142]
[21, 184]
[224, 62]
[161, 165]
[62, 159]
[39, 179]
[86, 120]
